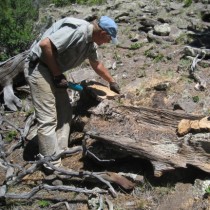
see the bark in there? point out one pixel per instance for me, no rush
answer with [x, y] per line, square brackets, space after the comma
[150, 134]
[10, 68]
[9, 72]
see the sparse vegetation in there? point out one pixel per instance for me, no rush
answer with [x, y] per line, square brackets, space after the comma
[43, 203]
[196, 99]
[117, 56]
[184, 63]
[136, 45]
[155, 55]
[207, 190]
[158, 58]
[169, 73]
[11, 135]
[187, 3]
[183, 39]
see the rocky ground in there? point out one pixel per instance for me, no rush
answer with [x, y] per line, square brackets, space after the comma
[153, 66]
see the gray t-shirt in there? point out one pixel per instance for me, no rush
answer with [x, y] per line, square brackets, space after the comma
[73, 40]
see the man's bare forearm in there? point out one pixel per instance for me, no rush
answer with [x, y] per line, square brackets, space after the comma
[100, 69]
[48, 51]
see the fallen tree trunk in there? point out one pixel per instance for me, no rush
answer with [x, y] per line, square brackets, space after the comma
[150, 134]
[10, 68]
[9, 71]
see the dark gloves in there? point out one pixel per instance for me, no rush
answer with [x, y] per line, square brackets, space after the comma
[60, 81]
[114, 87]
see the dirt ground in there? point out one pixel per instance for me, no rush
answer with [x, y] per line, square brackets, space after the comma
[138, 71]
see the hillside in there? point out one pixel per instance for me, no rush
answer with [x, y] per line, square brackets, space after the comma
[162, 63]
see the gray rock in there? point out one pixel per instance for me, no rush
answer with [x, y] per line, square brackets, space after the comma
[148, 22]
[200, 187]
[158, 39]
[162, 86]
[57, 182]
[162, 30]
[134, 37]
[123, 19]
[175, 33]
[175, 6]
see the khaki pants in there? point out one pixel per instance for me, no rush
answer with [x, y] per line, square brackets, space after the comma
[53, 110]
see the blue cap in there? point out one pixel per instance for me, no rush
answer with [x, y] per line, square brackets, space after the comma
[108, 25]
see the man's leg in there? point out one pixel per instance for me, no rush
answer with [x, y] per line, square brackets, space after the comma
[43, 96]
[64, 116]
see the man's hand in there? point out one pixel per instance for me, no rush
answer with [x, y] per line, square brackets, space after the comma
[60, 81]
[114, 87]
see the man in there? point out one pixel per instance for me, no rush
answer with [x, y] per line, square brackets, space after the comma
[65, 45]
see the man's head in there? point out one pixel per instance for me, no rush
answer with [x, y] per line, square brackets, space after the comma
[107, 31]
[108, 25]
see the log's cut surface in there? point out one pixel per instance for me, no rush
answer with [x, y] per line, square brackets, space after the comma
[101, 92]
[150, 134]
[98, 91]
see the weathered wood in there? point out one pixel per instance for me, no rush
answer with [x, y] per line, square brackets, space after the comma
[64, 188]
[11, 101]
[150, 134]
[9, 70]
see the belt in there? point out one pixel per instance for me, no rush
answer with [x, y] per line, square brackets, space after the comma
[33, 63]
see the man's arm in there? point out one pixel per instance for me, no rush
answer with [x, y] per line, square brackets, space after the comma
[102, 71]
[49, 50]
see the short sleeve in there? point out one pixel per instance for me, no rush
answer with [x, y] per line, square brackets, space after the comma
[64, 38]
[93, 56]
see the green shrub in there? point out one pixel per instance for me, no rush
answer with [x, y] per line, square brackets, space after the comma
[61, 3]
[16, 23]
[196, 99]
[10, 135]
[187, 3]
[136, 45]
[207, 190]
[43, 203]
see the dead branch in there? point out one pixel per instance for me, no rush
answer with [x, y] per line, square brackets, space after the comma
[63, 188]
[10, 69]
[101, 203]
[12, 125]
[83, 174]
[59, 204]
[102, 177]
[135, 177]
[29, 122]
[87, 152]
[37, 164]
[110, 204]
[18, 143]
